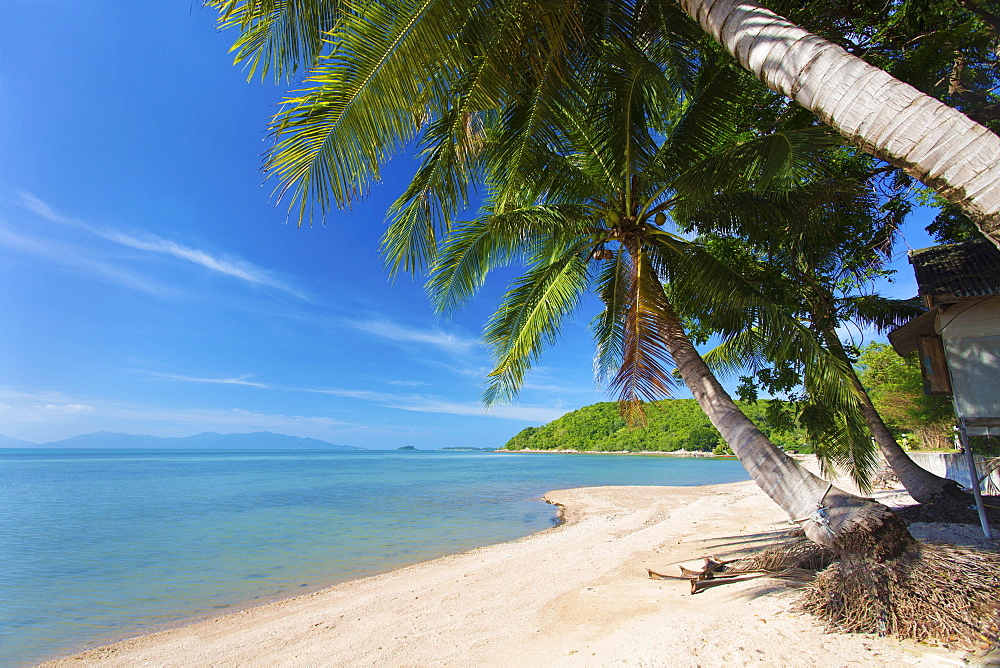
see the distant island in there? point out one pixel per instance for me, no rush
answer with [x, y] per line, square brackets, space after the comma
[671, 425]
[260, 440]
[406, 447]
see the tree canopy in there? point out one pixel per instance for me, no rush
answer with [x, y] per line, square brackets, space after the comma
[896, 389]
[671, 425]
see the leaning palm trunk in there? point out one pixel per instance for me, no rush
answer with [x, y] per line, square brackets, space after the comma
[921, 484]
[932, 142]
[843, 522]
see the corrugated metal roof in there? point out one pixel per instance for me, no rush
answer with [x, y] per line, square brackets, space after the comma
[957, 271]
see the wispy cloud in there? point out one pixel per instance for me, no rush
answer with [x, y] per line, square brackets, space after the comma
[74, 258]
[232, 417]
[47, 416]
[41, 406]
[512, 412]
[240, 380]
[420, 403]
[403, 334]
[32, 203]
[228, 265]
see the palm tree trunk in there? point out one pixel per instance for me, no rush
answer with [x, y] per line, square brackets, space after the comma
[932, 142]
[920, 483]
[851, 525]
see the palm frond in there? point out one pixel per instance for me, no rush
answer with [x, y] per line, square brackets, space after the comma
[278, 36]
[697, 278]
[520, 141]
[880, 312]
[834, 423]
[529, 318]
[452, 147]
[710, 120]
[774, 161]
[475, 248]
[736, 354]
[645, 372]
[608, 327]
[362, 102]
[840, 439]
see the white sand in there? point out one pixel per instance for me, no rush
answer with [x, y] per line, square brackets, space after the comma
[575, 595]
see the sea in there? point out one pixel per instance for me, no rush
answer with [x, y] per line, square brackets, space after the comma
[98, 545]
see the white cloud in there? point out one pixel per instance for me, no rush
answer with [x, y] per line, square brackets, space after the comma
[408, 402]
[403, 334]
[221, 417]
[42, 407]
[76, 258]
[512, 412]
[32, 203]
[68, 409]
[229, 265]
[50, 416]
[431, 404]
[350, 394]
[240, 380]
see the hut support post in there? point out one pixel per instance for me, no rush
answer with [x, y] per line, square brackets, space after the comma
[974, 477]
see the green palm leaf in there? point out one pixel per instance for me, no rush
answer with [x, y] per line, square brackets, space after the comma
[645, 371]
[363, 101]
[279, 36]
[475, 248]
[529, 318]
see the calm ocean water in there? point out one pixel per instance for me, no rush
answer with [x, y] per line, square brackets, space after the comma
[97, 545]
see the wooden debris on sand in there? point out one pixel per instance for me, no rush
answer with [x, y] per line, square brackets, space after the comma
[796, 560]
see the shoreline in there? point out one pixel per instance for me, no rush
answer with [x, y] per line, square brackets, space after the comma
[659, 453]
[574, 594]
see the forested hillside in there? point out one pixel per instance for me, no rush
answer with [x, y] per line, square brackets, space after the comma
[676, 424]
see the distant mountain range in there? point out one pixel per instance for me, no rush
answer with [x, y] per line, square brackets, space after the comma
[8, 442]
[260, 440]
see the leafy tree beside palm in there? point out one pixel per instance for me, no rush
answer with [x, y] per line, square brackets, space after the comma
[897, 391]
[822, 272]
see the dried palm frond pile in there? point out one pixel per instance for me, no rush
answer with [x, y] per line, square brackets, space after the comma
[949, 594]
[931, 592]
[797, 558]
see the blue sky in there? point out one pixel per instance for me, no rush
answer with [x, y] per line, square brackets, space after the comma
[149, 284]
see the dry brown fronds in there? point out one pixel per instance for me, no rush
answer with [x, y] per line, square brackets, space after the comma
[797, 558]
[931, 592]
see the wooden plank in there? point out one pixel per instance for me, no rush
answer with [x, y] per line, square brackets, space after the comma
[934, 366]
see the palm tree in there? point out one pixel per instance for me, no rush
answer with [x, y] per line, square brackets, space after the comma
[932, 142]
[381, 59]
[486, 87]
[817, 271]
[590, 213]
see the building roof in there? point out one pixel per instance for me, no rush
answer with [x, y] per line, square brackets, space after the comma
[953, 272]
[906, 338]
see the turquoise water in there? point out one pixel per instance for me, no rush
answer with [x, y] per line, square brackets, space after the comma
[96, 545]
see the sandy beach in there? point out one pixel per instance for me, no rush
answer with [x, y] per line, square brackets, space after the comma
[574, 595]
